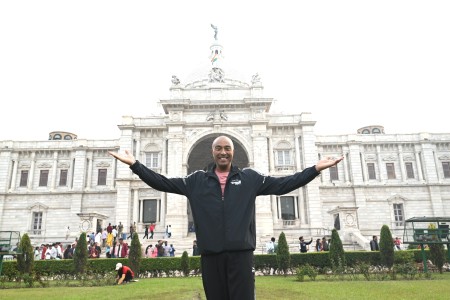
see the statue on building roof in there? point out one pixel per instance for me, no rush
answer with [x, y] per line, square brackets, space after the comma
[175, 80]
[256, 79]
[215, 31]
[216, 75]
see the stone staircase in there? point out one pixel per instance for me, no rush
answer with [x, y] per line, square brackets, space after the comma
[185, 244]
[180, 244]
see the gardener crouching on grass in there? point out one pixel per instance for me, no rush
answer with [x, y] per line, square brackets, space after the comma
[124, 274]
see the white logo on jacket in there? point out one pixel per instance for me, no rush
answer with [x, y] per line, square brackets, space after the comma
[236, 182]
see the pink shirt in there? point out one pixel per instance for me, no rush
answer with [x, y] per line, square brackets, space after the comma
[222, 179]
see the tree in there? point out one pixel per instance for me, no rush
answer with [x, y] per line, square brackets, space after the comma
[25, 260]
[336, 254]
[185, 264]
[80, 256]
[283, 256]
[386, 247]
[135, 255]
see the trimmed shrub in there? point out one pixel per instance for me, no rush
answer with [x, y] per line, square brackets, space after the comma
[386, 247]
[336, 254]
[135, 255]
[283, 256]
[185, 265]
[25, 260]
[80, 257]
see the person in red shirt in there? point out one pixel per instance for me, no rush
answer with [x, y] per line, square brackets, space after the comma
[124, 274]
[152, 229]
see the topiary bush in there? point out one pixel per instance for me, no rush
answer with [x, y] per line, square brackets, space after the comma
[336, 254]
[80, 256]
[135, 255]
[283, 256]
[25, 260]
[185, 264]
[386, 247]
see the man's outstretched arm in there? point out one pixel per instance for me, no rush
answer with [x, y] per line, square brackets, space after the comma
[327, 162]
[126, 158]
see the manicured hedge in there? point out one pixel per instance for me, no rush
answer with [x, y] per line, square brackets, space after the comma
[171, 266]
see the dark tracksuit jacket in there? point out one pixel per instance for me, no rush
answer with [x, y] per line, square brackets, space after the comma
[224, 223]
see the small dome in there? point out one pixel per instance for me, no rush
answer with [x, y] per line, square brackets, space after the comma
[61, 135]
[372, 129]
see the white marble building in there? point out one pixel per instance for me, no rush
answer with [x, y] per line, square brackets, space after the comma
[46, 186]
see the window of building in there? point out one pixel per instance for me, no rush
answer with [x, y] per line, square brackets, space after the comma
[398, 214]
[57, 137]
[287, 207]
[102, 176]
[43, 178]
[376, 130]
[390, 171]
[283, 157]
[366, 131]
[67, 137]
[63, 177]
[150, 211]
[371, 171]
[37, 223]
[152, 160]
[334, 175]
[446, 168]
[23, 178]
[409, 170]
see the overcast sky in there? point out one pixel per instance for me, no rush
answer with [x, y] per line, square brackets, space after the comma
[79, 66]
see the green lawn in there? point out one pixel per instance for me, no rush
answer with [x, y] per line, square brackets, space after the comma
[267, 287]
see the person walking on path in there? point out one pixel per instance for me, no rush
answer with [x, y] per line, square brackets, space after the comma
[145, 232]
[152, 230]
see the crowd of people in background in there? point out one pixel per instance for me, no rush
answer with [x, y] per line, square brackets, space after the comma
[161, 249]
[109, 242]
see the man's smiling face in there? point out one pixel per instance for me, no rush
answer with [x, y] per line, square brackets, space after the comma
[223, 151]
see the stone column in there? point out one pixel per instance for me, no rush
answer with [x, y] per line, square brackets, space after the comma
[364, 168]
[114, 171]
[437, 163]
[135, 217]
[429, 163]
[89, 170]
[402, 163]
[164, 157]
[32, 169]
[14, 174]
[54, 170]
[355, 163]
[271, 161]
[273, 202]
[296, 207]
[418, 164]
[297, 154]
[346, 173]
[138, 149]
[301, 201]
[380, 164]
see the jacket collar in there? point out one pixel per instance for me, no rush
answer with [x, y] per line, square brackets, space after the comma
[233, 170]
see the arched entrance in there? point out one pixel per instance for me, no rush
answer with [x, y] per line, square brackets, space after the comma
[201, 158]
